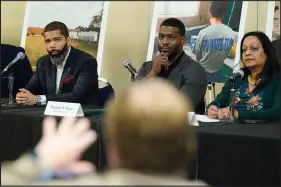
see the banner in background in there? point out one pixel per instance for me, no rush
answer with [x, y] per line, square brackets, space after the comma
[273, 20]
[86, 22]
[194, 15]
[276, 22]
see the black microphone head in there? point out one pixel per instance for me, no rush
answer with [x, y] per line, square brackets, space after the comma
[126, 63]
[238, 74]
[21, 55]
[241, 73]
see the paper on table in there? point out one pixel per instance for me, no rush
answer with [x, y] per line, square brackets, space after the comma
[204, 118]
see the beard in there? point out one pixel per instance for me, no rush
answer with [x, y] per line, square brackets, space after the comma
[58, 58]
[174, 51]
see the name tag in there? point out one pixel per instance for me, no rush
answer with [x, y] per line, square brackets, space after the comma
[192, 119]
[63, 109]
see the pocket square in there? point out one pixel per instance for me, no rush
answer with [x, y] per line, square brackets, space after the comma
[67, 79]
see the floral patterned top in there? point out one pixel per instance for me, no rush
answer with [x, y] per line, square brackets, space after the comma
[245, 100]
[262, 104]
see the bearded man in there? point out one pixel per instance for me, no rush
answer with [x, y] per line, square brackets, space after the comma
[65, 74]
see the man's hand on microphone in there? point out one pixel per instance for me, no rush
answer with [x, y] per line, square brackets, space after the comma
[25, 97]
[159, 61]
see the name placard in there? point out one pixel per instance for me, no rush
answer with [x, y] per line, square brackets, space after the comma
[192, 119]
[63, 109]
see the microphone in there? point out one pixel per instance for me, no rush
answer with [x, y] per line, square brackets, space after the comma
[20, 56]
[127, 64]
[237, 75]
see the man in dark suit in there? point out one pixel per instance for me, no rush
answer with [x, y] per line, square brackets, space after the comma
[65, 74]
[21, 70]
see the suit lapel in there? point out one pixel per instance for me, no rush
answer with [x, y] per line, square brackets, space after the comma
[51, 78]
[68, 67]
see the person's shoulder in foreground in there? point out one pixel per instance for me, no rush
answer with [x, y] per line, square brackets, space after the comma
[33, 176]
[125, 177]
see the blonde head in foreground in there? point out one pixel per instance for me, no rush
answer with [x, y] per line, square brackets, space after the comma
[147, 128]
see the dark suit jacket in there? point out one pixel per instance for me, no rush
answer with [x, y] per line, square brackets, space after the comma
[22, 70]
[277, 46]
[79, 80]
[188, 76]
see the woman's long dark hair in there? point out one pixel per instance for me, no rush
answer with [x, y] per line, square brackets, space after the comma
[271, 66]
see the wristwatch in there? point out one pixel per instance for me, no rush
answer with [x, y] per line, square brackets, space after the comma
[38, 100]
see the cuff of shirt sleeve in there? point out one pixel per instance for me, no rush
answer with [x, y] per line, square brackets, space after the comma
[43, 99]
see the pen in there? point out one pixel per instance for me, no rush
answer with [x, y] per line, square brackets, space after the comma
[218, 106]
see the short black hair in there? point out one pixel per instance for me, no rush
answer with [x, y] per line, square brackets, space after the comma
[276, 8]
[271, 65]
[56, 25]
[218, 8]
[173, 22]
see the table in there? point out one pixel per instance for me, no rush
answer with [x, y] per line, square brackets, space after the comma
[236, 154]
[230, 154]
[21, 129]
[239, 154]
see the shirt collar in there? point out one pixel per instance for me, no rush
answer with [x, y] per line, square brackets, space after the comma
[178, 57]
[65, 59]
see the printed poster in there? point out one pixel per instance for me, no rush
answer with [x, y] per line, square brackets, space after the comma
[194, 15]
[85, 20]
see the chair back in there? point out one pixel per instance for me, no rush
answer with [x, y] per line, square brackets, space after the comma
[201, 107]
[105, 92]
